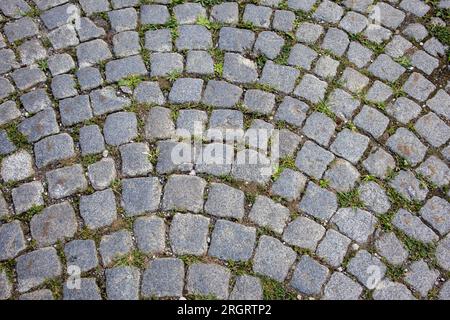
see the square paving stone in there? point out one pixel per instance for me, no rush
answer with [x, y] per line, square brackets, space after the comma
[443, 253]
[313, 160]
[159, 124]
[88, 290]
[193, 37]
[184, 193]
[75, 110]
[309, 276]
[59, 16]
[106, 101]
[408, 186]
[308, 32]
[353, 22]
[269, 44]
[63, 86]
[8, 61]
[374, 197]
[421, 277]
[89, 78]
[326, 67]
[60, 63]
[122, 283]
[225, 12]
[188, 13]
[247, 288]
[91, 140]
[355, 223]
[434, 170]
[304, 233]
[251, 166]
[281, 78]
[379, 92]
[55, 223]
[8, 112]
[191, 122]
[350, 145]
[158, 40]
[88, 30]
[208, 280]
[328, 11]
[292, 111]
[418, 87]
[386, 69]
[388, 16]
[37, 266]
[199, 62]
[341, 175]
[259, 101]
[303, 5]
[358, 54]
[416, 7]
[238, 69]
[186, 90]
[140, 195]
[27, 195]
[122, 20]
[5, 286]
[216, 159]
[221, 94]
[17, 166]
[333, 247]
[388, 290]
[94, 6]
[163, 64]
[188, 234]
[154, 14]
[372, 121]
[225, 201]
[342, 103]
[318, 202]
[63, 37]
[12, 240]
[433, 129]
[174, 157]
[319, 127]
[6, 88]
[417, 32]
[164, 277]
[126, 44]
[269, 214]
[341, 287]
[232, 241]
[120, 128]
[115, 245]
[273, 259]
[353, 80]
[31, 51]
[259, 16]
[93, 52]
[150, 233]
[54, 149]
[28, 77]
[81, 253]
[35, 100]
[6, 145]
[423, 61]
[440, 103]
[135, 159]
[289, 185]
[413, 226]
[19, 29]
[311, 89]
[237, 40]
[149, 93]
[301, 56]
[436, 212]
[391, 248]
[98, 209]
[403, 110]
[407, 145]
[336, 41]
[66, 181]
[40, 125]
[125, 67]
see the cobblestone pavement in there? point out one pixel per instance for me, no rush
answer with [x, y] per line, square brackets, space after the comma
[94, 206]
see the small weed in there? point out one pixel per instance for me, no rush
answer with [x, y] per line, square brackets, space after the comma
[417, 249]
[173, 75]
[210, 25]
[189, 259]
[42, 65]
[324, 183]
[274, 290]
[284, 55]
[136, 259]
[399, 201]
[90, 159]
[153, 156]
[34, 12]
[131, 81]
[34, 210]
[16, 137]
[350, 199]
[240, 268]
[442, 33]
[55, 286]
[8, 267]
[404, 61]
[288, 162]
[385, 221]
[323, 107]
[395, 273]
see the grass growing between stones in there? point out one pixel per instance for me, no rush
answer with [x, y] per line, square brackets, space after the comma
[16, 137]
[189, 260]
[417, 249]
[201, 297]
[349, 199]
[323, 107]
[55, 286]
[8, 267]
[136, 259]
[240, 267]
[274, 290]
[27, 216]
[131, 81]
[398, 201]
[395, 273]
